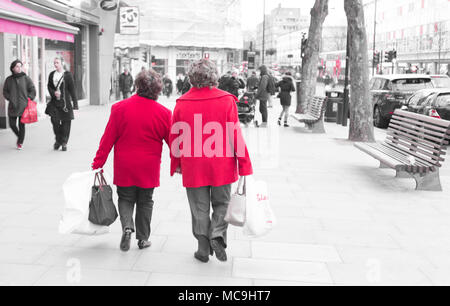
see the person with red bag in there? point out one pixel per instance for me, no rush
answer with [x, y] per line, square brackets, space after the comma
[18, 90]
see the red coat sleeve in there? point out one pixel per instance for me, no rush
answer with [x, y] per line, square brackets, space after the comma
[107, 142]
[244, 162]
[174, 148]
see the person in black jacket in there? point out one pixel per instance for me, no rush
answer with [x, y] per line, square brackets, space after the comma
[252, 82]
[186, 85]
[287, 86]
[233, 84]
[126, 84]
[18, 88]
[62, 104]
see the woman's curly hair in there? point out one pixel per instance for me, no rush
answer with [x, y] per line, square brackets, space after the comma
[203, 73]
[148, 84]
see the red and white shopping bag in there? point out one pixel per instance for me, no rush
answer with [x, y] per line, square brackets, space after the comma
[260, 219]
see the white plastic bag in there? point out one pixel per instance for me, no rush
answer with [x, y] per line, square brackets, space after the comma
[236, 209]
[77, 193]
[260, 219]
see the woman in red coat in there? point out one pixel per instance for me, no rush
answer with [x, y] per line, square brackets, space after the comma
[136, 129]
[208, 149]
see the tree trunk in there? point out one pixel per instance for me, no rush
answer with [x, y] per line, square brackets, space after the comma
[361, 110]
[311, 59]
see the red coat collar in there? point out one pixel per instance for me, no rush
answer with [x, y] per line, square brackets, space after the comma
[205, 94]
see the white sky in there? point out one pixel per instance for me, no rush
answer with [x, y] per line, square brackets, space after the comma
[252, 10]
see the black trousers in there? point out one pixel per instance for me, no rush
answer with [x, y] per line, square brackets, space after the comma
[19, 131]
[61, 130]
[263, 110]
[129, 197]
[201, 200]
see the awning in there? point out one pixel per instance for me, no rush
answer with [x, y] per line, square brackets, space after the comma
[17, 19]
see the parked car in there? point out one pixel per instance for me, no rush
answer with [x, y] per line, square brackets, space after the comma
[431, 102]
[390, 92]
[440, 81]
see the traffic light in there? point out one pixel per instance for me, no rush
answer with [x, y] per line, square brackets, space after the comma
[153, 60]
[390, 56]
[376, 57]
[394, 54]
[387, 57]
[144, 57]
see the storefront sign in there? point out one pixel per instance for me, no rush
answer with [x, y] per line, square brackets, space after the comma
[109, 5]
[129, 20]
[189, 55]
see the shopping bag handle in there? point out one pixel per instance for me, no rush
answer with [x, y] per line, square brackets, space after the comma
[101, 180]
[242, 184]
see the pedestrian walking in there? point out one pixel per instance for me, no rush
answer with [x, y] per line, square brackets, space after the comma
[126, 84]
[180, 83]
[186, 85]
[207, 176]
[61, 87]
[224, 81]
[233, 84]
[286, 86]
[263, 94]
[252, 82]
[17, 89]
[271, 89]
[168, 86]
[137, 129]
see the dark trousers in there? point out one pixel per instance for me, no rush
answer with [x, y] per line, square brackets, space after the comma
[19, 131]
[263, 110]
[129, 197]
[126, 94]
[200, 200]
[61, 130]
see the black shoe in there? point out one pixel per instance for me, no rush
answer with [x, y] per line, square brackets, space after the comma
[125, 242]
[204, 247]
[64, 148]
[56, 146]
[144, 244]
[201, 258]
[219, 249]
[286, 125]
[279, 122]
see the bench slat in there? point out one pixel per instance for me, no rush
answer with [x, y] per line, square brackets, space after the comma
[432, 127]
[419, 166]
[434, 121]
[399, 150]
[427, 155]
[414, 143]
[438, 140]
[397, 133]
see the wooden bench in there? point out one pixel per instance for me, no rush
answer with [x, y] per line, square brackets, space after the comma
[314, 115]
[415, 147]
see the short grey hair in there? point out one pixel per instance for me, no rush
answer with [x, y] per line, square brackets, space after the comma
[203, 73]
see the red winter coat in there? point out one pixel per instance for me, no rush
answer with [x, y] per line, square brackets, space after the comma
[136, 128]
[211, 166]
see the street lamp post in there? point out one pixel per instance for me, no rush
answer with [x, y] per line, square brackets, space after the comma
[374, 37]
[264, 34]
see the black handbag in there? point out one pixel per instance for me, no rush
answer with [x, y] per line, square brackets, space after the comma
[102, 210]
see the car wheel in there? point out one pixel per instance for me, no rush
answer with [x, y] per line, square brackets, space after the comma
[378, 119]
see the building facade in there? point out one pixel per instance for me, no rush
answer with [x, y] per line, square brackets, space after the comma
[419, 30]
[334, 38]
[279, 22]
[86, 49]
[173, 33]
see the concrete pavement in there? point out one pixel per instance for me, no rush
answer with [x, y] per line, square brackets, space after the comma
[341, 219]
